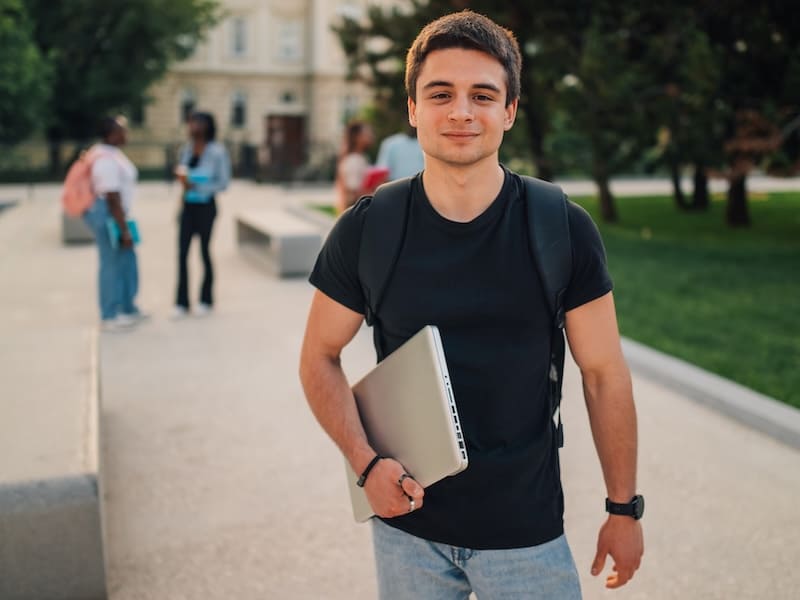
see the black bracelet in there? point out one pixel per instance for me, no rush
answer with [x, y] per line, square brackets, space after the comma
[363, 479]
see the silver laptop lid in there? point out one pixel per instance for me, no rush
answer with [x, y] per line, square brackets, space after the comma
[409, 413]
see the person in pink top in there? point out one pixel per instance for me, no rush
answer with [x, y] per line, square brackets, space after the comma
[353, 165]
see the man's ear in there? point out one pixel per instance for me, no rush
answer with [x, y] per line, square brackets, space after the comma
[511, 114]
[412, 112]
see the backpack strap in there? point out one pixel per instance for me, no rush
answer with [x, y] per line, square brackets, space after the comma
[382, 238]
[551, 248]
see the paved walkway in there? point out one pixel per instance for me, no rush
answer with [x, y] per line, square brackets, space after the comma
[219, 484]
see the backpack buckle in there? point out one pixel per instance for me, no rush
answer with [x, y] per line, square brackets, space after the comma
[560, 318]
[369, 316]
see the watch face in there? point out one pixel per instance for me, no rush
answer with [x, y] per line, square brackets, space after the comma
[638, 507]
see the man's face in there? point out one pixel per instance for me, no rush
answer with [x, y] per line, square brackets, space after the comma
[460, 112]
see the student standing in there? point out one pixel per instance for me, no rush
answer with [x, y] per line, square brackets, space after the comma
[496, 528]
[203, 170]
[353, 164]
[113, 179]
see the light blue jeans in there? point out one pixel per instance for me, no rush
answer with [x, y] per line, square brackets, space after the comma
[414, 569]
[118, 278]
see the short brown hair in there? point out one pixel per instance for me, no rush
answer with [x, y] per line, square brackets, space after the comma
[471, 31]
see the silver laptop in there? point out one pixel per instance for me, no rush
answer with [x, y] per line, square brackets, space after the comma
[409, 413]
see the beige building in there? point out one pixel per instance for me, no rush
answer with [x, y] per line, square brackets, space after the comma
[274, 75]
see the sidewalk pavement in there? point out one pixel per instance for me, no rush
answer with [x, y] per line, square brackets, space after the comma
[220, 484]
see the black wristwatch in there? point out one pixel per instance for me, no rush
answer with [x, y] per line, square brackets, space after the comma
[634, 508]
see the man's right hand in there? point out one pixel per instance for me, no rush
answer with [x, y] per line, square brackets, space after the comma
[385, 494]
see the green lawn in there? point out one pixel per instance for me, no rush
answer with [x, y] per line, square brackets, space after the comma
[726, 300]
[328, 209]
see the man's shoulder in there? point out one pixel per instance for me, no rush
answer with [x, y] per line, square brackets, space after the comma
[578, 217]
[379, 214]
[351, 222]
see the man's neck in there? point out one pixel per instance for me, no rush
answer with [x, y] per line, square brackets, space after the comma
[462, 194]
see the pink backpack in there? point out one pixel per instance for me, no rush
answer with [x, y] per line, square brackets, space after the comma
[77, 194]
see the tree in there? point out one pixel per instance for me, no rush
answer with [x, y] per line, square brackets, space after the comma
[685, 73]
[106, 54]
[607, 90]
[24, 74]
[759, 90]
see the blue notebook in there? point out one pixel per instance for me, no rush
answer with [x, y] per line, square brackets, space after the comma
[195, 196]
[113, 232]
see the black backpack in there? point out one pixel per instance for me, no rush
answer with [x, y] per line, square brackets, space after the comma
[384, 233]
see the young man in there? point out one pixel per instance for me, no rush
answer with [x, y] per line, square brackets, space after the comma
[496, 528]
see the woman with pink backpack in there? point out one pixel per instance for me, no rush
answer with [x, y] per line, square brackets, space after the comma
[112, 178]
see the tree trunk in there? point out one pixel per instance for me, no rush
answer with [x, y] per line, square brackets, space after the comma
[608, 211]
[677, 191]
[54, 156]
[737, 213]
[701, 199]
[544, 170]
[536, 132]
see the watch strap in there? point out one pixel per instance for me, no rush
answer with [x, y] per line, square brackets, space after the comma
[634, 508]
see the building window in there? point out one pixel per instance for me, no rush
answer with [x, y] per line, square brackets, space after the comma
[290, 41]
[188, 104]
[238, 110]
[238, 36]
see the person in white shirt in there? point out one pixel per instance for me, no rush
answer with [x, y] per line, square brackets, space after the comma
[114, 179]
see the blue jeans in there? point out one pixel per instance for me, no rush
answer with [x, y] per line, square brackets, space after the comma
[118, 279]
[412, 568]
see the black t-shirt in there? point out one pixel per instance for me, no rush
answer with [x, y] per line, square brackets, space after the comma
[477, 282]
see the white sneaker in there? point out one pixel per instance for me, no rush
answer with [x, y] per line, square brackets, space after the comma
[179, 312]
[124, 320]
[140, 315]
[118, 323]
[203, 310]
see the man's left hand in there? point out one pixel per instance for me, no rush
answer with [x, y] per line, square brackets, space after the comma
[621, 538]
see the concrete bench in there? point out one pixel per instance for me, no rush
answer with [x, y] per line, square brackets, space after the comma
[75, 231]
[51, 532]
[286, 245]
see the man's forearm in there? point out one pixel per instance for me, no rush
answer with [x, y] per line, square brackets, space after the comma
[609, 400]
[332, 402]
